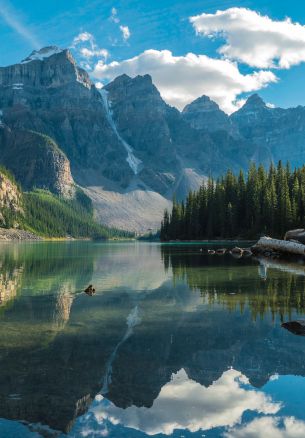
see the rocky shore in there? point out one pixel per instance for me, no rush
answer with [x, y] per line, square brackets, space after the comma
[12, 234]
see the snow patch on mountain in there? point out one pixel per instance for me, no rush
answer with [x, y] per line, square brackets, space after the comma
[132, 160]
[40, 55]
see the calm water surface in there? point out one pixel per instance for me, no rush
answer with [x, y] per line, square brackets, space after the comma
[174, 343]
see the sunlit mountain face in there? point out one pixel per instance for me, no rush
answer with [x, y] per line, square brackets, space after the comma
[173, 343]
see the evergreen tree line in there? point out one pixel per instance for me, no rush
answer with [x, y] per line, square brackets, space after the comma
[237, 206]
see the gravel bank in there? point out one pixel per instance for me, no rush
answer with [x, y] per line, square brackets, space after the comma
[13, 234]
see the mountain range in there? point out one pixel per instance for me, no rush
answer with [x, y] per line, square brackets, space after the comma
[123, 145]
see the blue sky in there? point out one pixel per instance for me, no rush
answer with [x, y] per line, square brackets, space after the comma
[158, 25]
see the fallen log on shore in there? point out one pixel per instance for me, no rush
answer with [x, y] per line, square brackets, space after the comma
[276, 245]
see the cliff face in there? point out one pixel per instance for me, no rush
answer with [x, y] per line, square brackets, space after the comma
[10, 199]
[36, 161]
[49, 94]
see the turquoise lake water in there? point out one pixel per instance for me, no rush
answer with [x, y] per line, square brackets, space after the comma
[174, 343]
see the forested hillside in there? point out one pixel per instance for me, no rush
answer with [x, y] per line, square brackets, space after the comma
[262, 202]
[49, 215]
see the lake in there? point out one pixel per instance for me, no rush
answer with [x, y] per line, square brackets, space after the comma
[174, 343]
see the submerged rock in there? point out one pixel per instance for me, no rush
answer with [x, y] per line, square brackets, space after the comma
[221, 251]
[211, 251]
[90, 290]
[237, 251]
[296, 327]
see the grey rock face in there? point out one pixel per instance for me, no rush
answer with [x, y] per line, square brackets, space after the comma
[203, 113]
[36, 161]
[140, 115]
[275, 133]
[176, 153]
[53, 96]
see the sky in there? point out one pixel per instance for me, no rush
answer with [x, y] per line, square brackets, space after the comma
[225, 49]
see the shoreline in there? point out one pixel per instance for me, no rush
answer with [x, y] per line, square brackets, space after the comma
[17, 235]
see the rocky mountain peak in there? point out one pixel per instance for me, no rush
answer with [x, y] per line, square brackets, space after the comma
[255, 102]
[139, 84]
[43, 53]
[204, 113]
[202, 104]
[47, 67]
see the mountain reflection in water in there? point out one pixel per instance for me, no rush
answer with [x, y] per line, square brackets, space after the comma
[174, 342]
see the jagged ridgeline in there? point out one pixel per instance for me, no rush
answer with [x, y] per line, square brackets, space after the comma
[123, 144]
[234, 206]
[46, 214]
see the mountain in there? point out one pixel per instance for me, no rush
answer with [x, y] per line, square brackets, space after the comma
[276, 133]
[203, 113]
[123, 144]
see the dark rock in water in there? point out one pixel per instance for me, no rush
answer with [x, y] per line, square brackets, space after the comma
[236, 255]
[295, 327]
[221, 251]
[237, 250]
[90, 290]
[297, 236]
[247, 253]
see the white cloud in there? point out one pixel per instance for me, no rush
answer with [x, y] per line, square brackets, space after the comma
[114, 15]
[82, 38]
[181, 79]
[183, 404]
[124, 29]
[89, 53]
[254, 39]
[86, 47]
[11, 18]
[270, 427]
[125, 32]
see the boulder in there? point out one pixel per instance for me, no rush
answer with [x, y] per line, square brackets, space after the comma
[221, 251]
[237, 251]
[211, 251]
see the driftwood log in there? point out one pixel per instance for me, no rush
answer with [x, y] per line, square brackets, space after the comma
[283, 246]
